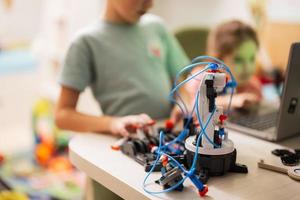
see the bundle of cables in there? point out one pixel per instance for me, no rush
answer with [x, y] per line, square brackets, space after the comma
[212, 64]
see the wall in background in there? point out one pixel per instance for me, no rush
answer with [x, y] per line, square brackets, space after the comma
[20, 21]
[284, 11]
[178, 13]
[37, 20]
[26, 18]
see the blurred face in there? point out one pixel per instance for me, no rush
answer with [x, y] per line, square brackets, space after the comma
[242, 62]
[130, 11]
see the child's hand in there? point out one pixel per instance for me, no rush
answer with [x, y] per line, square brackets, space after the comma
[253, 86]
[124, 125]
[245, 100]
[176, 115]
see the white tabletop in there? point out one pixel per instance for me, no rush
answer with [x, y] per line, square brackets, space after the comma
[92, 154]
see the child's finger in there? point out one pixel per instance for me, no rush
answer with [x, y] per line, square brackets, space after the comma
[124, 132]
[145, 118]
[176, 115]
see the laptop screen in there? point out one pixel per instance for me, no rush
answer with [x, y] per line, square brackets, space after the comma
[289, 116]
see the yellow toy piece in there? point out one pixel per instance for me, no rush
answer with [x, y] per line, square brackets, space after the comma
[49, 139]
[12, 195]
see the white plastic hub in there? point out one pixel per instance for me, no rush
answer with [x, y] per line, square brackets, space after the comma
[226, 148]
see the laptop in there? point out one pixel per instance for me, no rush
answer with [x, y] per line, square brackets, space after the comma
[273, 122]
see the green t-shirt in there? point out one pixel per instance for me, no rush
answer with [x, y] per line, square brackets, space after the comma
[128, 67]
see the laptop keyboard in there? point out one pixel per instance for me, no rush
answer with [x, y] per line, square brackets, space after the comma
[258, 122]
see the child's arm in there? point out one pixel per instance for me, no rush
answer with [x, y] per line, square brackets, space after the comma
[66, 117]
[253, 86]
[176, 113]
[244, 100]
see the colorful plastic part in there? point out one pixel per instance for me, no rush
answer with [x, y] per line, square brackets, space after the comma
[1, 159]
[169, 124]
[203, 192]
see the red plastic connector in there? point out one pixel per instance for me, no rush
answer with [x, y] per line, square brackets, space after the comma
[117, 145]
[169, 124]
[222, 118]
[214, 71]
[116, 148]
[203, 192]
[164, 161]
[1, 159]
[227, 79]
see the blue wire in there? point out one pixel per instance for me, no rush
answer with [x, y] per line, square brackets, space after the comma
[176, 162]
[193, 76]
[201, 125]
[190, 78]
[152, 168]
[196, 63]
[191, 114]
[196, 105]
[175, 102]
[206, 124]
[166, 190]
[187, 80]
[227, 69]
[202, 132]
[184, 129]
[223, 65]
[188, 67]
[176, 87]
[184, 105]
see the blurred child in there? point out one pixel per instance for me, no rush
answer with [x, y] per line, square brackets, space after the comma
[128, 59]
[236, 44]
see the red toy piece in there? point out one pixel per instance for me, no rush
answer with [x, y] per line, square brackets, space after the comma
[227, 78]
[214, 71]
[222, 118]
[169, 124]
[203, 192]
[1, 159]
[164, 161]
[117, 145]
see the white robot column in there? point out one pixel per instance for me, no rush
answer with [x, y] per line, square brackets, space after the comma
[216, 152]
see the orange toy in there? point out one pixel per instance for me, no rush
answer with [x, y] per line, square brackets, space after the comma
[43, 153]
[1, 159]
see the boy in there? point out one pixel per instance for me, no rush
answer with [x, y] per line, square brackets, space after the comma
[129, 61]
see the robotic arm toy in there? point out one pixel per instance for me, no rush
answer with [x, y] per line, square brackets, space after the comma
[207, 149]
